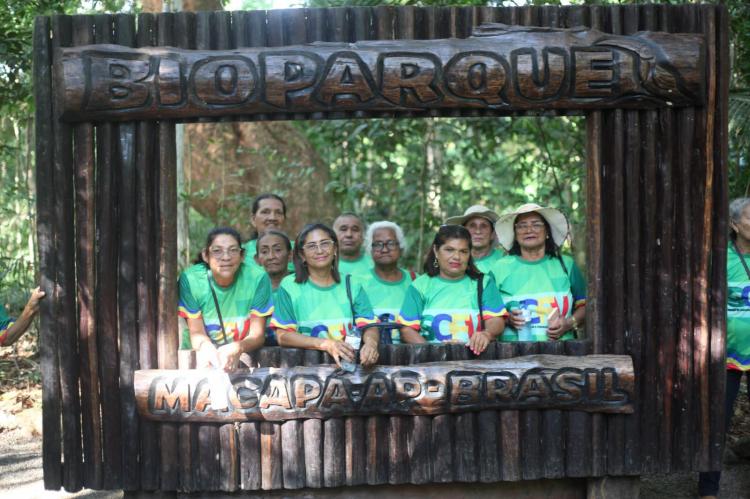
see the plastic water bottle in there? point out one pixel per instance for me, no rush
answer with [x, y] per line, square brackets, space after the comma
[524, 333]
[354, 340]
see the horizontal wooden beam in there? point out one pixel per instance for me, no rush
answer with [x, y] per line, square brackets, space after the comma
[502, 68]
[595, 383]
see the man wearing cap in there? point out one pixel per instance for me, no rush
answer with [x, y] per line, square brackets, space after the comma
[480, 222]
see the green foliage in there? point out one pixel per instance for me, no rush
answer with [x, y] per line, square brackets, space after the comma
[17, 210]
[418, 172]
[16, 26]
[739, 99]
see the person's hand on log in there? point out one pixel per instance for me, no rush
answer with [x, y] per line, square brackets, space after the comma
[32, 306]
[20, 325]
[229, 355]
[207, 356]
[479, 341]
[339, 350]
[368, 354]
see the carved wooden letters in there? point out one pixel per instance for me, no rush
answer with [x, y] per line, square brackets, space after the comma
[500, 67]
[598, 383]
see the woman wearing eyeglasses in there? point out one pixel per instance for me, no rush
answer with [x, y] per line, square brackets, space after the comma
[315, 310]
[452, 301]
[386, 283]
[224, 302]
[543, 289]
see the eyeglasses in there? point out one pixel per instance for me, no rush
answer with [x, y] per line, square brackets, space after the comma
[380, 245]
[219, 252]
[325, 246]
[535, 226]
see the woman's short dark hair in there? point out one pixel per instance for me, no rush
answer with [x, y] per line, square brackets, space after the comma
[301, 273]
[444, 234]
[277, 233]
[256, 206]
[213, 234]
[550, 248]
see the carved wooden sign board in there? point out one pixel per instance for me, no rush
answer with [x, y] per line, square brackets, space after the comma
[596, 383]
[500, 68]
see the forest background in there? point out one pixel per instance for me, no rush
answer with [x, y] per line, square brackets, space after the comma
[414, 172]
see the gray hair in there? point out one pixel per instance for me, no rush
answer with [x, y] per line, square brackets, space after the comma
[736, 207]
[384, 224]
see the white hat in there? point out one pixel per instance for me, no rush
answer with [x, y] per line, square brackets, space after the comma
[554, 217]
[473, 211]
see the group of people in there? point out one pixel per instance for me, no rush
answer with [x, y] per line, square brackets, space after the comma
[486, 277]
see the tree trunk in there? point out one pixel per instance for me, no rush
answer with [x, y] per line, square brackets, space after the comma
[227, 164]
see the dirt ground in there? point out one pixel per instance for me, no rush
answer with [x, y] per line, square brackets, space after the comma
[21, 443]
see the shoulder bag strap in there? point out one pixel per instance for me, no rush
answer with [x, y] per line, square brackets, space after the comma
[480, 290]
[218, 311]
[742, 259]
[565, 269]
[348, 280]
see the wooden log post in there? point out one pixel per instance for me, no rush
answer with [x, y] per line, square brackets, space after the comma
[48, 338]
[64, 294]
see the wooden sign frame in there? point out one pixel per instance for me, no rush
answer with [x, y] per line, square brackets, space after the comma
[657, 224]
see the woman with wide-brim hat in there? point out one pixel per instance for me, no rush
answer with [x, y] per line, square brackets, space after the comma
[544, 290]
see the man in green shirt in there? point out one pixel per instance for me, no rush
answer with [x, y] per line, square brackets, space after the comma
[269, 213]
[386, 283]
[350, 231]
[480, 222]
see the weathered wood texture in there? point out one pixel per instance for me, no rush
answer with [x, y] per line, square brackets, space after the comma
[497, 68]
[657, 197]
[598, 383]
[661, 300]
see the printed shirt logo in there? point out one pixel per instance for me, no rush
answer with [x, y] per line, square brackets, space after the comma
[335, 329]
[541, 305]
[236, 329]
[450, 325]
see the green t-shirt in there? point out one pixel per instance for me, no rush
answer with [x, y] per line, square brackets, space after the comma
[738, 312]
[5, 323]
[539, 286]
[359, 267]
[485, 263]
[251, 247]
[321, 312]
[249, 296]
[386, 297]
[447, 310]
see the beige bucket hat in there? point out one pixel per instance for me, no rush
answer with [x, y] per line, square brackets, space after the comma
[473, 211]
[554, 217]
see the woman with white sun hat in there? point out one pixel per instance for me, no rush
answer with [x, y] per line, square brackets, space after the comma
[543, 289]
